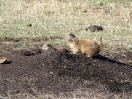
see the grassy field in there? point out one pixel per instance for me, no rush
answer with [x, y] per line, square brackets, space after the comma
[55, 18]
[52, 19]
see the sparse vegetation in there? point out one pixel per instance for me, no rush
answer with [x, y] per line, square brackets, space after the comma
[50, 20]
[57, 17]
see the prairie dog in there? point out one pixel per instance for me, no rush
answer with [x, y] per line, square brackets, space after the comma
[50, 47]
[84, 46]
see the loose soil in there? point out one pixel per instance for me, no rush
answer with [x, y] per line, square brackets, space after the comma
[35, 71]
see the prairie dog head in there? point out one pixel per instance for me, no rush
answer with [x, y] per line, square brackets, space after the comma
[47, 47]
[71, 38]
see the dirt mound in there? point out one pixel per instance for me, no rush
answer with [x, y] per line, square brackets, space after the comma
[37, 71]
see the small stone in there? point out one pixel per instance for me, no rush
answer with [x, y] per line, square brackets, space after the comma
[51, 72]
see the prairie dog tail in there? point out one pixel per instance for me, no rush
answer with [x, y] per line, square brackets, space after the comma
[101, 44]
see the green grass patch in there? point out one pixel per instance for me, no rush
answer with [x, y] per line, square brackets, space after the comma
[51, 18]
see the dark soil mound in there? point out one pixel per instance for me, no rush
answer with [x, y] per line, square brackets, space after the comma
[55, 72]
[94, 28]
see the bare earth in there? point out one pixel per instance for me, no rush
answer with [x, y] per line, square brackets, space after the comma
[37, 72]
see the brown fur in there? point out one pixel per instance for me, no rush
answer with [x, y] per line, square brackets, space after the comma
[84, 46]
[50, 47]
[62, 49]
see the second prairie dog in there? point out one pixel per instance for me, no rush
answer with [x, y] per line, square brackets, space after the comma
[50, 47]
[84, 46]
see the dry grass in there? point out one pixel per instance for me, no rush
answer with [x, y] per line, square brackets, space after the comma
[53, 18]
[58, 17]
